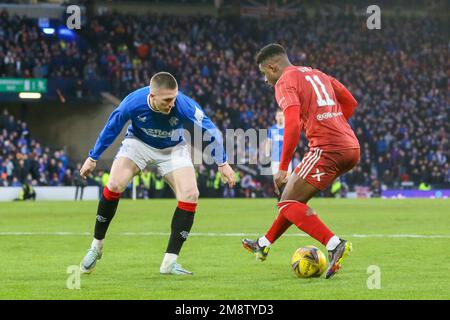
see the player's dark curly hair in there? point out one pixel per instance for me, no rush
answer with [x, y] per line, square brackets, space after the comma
[269, 51]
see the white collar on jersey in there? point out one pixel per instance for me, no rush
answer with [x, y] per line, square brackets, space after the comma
[150, 106]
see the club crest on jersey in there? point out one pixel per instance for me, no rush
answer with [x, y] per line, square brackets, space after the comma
[173, 121]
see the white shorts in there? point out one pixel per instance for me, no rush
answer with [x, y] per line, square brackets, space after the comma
[275, 166]
[166, 160]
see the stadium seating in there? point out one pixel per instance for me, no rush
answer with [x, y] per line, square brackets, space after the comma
[24, 160]
[399, 80]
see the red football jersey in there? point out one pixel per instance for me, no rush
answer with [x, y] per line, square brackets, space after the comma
[321, 115]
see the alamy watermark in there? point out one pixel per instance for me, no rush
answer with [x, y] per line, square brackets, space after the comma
[74, 19]
[374, 279]
[73, 281]
[374, 20]
[246, 147]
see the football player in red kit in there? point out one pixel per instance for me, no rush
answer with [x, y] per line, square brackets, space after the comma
[320, 106]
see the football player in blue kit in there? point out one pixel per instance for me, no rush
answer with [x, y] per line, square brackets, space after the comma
[274, 143]
[273, 147]
[157, 113]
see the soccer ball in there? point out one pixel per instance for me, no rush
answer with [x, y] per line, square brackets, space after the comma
[308, 262]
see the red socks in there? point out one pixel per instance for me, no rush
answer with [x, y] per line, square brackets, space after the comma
[109, 195]
[294, 212]
[279, 226]
[187, 206]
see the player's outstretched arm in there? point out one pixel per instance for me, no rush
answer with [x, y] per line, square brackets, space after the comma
[292, 131]
[192, 111]
[219, 154]
[113, 126]
[344, 97]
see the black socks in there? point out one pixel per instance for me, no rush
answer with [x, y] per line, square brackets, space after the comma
[105, 213]
[181, 226]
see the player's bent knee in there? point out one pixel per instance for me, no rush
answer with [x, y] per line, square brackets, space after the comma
[190, 195]
[115, 186]
[292, 195]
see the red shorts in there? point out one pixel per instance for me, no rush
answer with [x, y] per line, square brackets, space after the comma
[320, 168]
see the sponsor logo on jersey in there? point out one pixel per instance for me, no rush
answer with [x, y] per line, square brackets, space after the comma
[328, 115]
[157, 133]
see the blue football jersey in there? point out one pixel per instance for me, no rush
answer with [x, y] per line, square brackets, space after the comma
[156, 129]
[275, 134]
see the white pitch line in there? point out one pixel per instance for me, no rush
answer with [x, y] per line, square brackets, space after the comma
[213, 234]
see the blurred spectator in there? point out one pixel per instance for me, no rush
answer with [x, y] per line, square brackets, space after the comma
[27, 192]
[79, 182]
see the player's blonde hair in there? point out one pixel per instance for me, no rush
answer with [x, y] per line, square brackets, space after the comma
[163, 80]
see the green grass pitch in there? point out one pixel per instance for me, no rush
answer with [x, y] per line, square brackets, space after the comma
[408, 240]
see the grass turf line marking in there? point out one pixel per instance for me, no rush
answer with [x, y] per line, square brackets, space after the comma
[212, 234]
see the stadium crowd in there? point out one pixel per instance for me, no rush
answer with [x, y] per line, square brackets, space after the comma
[397, 74]
[24, 160]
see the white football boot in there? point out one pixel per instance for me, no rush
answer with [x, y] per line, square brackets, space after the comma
[174, 268]
[89, 261]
